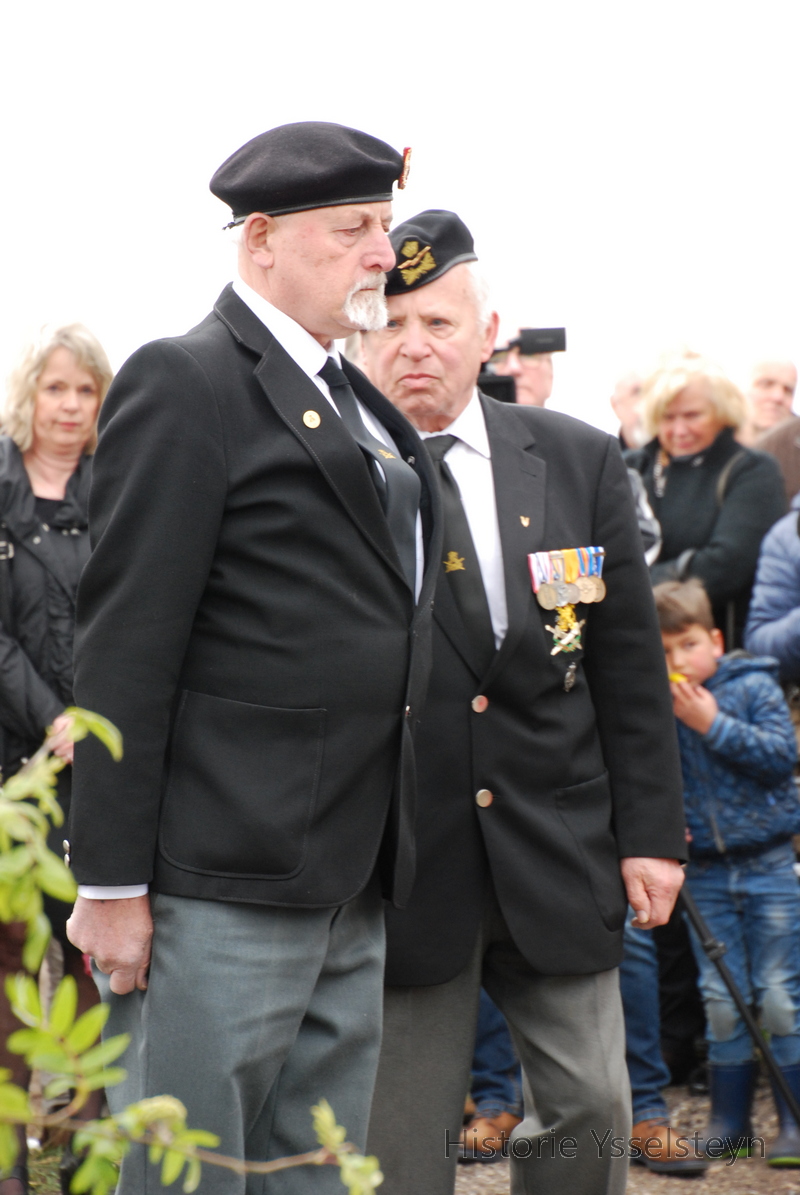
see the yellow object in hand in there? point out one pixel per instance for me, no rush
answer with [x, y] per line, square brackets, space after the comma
[677, 677]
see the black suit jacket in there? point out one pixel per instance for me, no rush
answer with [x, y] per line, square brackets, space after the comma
[579, 777]
[245, 622]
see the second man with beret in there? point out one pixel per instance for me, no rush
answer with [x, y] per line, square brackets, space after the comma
[549, 783]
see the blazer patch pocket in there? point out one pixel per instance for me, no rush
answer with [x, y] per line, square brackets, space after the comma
[241, 787]
[585, 810]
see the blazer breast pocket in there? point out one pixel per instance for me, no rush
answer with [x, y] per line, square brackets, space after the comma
[585, 810]
[241, 787]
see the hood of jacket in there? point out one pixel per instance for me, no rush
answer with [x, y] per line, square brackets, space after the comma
[740, 663]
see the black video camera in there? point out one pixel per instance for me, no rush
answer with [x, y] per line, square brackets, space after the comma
[530, 342]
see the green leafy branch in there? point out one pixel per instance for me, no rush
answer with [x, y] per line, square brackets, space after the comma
[68, 1048]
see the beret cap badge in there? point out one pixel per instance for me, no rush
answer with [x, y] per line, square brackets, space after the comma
[427, 246]
[420, 261]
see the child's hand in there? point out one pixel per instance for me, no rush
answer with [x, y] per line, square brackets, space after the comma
[694, 705]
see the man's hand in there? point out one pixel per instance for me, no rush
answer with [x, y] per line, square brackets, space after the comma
[694, 705]
[117, 934]
[652, 886]
[60, 741]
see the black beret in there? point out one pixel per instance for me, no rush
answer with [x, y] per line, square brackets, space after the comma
[297, 167]
[427, 246]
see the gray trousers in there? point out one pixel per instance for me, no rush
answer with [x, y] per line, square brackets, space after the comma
[570, 1037]
[252, 1015]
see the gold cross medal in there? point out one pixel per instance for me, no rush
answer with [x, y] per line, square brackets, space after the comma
[561, 580]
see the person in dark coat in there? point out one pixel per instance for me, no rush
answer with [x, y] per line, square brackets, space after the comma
[51, 413]
[255, 618]
[714, 499]
[549, 787]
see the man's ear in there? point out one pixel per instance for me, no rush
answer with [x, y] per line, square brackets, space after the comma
[490, 336]
[718, 642]
[257, 231]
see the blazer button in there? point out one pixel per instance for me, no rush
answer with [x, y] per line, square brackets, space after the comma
[480, 703]
[484, 798]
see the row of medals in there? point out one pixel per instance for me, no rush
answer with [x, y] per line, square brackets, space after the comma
[586, 589]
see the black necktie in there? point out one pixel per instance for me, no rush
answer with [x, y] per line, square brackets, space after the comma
[398, 485]
[461, 560]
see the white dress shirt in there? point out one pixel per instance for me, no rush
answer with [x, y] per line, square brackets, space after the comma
[470, 462]
[309, 354]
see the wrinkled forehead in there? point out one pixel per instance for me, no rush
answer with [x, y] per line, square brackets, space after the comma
[342, 215]
[767, 372]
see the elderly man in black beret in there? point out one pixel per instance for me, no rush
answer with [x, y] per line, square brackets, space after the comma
[549, 781]
[255, 619]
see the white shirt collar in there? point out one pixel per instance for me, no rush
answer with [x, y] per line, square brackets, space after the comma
[301, 346]
[469, 426]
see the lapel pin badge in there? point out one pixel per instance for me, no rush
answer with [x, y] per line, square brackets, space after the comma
[525, 520]
[312, 419]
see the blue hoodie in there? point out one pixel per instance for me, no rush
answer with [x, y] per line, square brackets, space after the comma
[739, 789]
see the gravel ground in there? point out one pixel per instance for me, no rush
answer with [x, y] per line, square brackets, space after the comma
[746, 1176]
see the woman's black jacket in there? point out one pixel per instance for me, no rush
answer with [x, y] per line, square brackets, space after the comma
[38, 583]
[715, 509]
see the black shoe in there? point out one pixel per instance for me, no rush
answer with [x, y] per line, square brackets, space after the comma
[21, 1174]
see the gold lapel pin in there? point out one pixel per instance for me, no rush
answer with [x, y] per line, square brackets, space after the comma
[311, 419]
[525, 520]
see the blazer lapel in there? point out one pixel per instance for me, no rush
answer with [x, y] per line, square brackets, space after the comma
[520, 486]
[292, 394]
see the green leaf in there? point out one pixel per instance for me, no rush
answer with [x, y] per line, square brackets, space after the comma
[97, 1175]
[8, 1146]
[85, 722]
[87, 1028]
[199, 1137]
[64, 1006]
[15, 863]
[53, 1059]
[173, 1165]
[193, 1174]
[27, 1041]
[106, 1078]
[14, 1104]
[55, 878]
[36, 943]
[106, 1052]
[23, 996]
[58, 1086]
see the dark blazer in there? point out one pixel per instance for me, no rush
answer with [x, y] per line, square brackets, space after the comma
[580, 776]
[245, 622]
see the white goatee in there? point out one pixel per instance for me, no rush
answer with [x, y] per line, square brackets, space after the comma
[367, 308]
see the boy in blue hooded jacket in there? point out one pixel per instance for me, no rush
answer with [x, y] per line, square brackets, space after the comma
[738, 753]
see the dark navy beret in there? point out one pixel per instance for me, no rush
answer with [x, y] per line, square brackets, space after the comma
[427, 246]
[297, 167]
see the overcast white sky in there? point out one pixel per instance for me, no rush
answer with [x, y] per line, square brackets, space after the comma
[628, 169]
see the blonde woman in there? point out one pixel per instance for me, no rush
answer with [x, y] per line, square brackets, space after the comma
[53, 400]
[714, 499]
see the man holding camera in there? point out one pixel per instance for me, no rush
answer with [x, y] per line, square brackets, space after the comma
[549, 784]
[528, 359]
